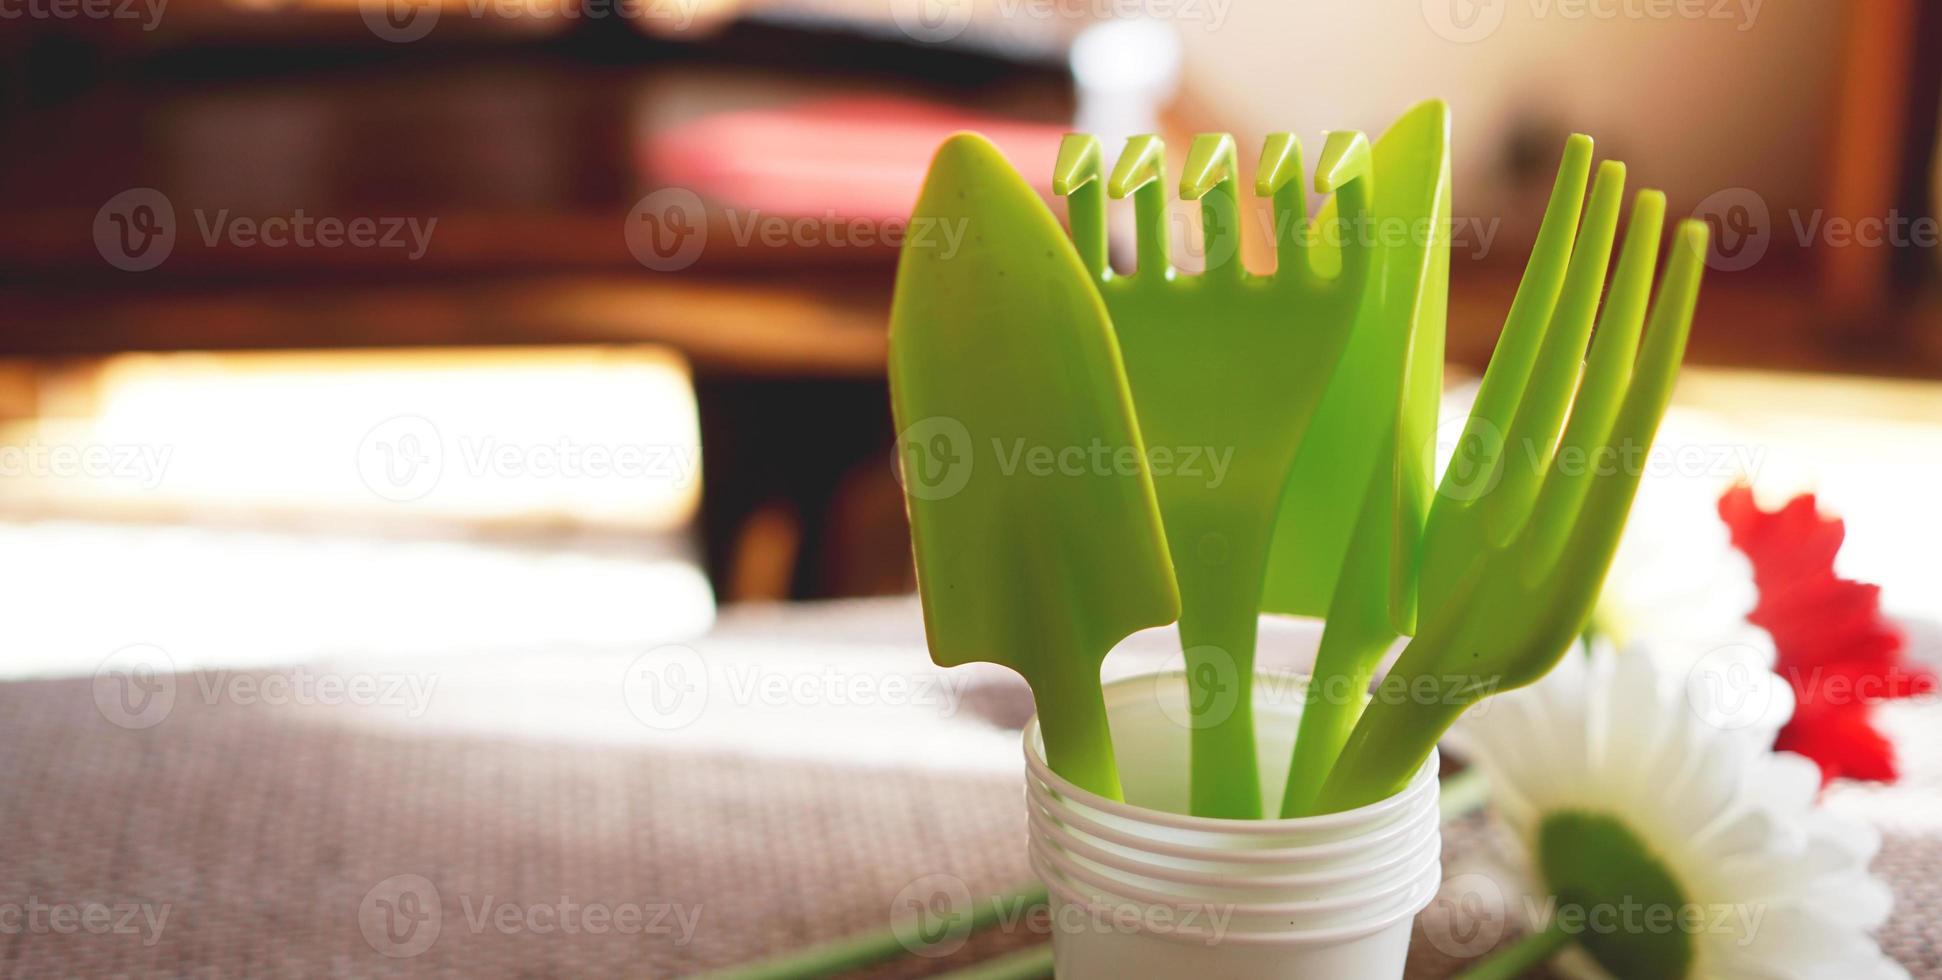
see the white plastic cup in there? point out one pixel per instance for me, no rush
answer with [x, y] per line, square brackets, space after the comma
[1141, 889]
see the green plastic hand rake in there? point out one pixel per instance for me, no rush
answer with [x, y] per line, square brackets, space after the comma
[1000, 352]
[1525, 521]
[1360, 488]
[1225, 365]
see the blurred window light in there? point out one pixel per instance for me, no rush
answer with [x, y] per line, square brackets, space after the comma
[521, 437]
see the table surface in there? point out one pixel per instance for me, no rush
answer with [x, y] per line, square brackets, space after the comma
[795, 805]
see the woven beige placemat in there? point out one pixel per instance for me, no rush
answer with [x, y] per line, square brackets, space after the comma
[249, 840]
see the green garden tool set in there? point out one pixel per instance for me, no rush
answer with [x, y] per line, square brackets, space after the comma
[1046, 402]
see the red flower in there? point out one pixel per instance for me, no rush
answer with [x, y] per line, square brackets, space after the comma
[1835, 649]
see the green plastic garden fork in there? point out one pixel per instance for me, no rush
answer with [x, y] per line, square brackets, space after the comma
[1226, 369]
[1526, 521]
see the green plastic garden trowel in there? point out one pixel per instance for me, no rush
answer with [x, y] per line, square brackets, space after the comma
[1036, 528]
[1226, 369]
[1360, 489]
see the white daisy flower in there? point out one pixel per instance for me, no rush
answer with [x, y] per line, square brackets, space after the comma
[1672, 841]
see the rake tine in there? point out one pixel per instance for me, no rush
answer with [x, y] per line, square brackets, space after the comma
[1613, 348]
[1077, 178]
[1278, 176]
[1141, 171]
[1210, 178]
[1533, 434]
[1346, 170]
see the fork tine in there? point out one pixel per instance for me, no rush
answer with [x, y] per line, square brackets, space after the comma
[1530, 311]
[1210, 178]
[1346, 169]
[1278, 176]
[1077, 179]
[1533, 434]
[1613, 348]
[1598, 524]
[1141, 171]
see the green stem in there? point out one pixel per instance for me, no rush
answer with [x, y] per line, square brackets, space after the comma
[853, 952]
[1078, 743]
[1225, 780]
[1026, 964]
[1390, 741]
[1344, 665]
[1520, 956]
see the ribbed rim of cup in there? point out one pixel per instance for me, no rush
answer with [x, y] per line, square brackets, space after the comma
[1427, 859]
[1041, 798]
[1423, 781]
[1413, 903]
[1044, 823]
